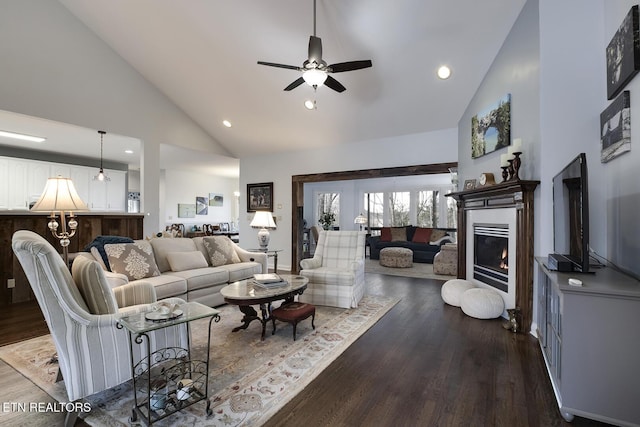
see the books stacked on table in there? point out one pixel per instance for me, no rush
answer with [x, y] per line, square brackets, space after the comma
[269, 280]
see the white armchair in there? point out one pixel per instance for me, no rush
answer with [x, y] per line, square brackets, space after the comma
[336, 271]
[93, 355]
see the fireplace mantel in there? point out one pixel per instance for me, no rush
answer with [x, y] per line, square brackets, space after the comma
[517, 194]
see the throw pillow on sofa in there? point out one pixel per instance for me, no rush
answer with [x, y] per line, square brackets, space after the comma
[134, 260]
[181, 261]
[422, 235]
[221, 251]
[393, 234]
[438, 236]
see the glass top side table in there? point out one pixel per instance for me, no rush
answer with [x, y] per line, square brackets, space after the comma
[271, 253]
[167, 380]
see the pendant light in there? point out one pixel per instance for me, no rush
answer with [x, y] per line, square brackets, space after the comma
[101, 175]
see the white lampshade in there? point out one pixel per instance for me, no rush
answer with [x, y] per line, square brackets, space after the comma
[59, 195]
[263, 219]
[360, 219]
[314, 77]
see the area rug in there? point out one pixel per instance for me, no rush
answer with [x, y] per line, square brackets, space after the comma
[419, 270]
[249, 380]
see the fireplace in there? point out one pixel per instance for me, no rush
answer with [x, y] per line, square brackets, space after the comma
[491, 255]
[495, 241]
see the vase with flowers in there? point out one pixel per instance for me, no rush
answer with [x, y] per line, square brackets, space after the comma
[326, 220]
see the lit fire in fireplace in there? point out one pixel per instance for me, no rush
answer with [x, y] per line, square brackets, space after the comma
[504, 261]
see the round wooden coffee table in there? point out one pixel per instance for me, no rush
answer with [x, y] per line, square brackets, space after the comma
[245, 293]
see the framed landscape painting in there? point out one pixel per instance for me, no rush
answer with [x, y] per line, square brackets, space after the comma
[491, 129]
[623, 54]
[216, 200]
[260, 197]
[615, 128]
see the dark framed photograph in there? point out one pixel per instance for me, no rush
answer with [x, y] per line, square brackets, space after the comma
[623, 54]
[615, 128]
[491, 128]
[469, 184]
[260, 197]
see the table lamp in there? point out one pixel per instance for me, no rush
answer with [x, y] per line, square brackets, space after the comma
[61, 198]
[361, 220]
[264, 221]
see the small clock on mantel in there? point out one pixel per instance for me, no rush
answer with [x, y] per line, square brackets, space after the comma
[486, 179]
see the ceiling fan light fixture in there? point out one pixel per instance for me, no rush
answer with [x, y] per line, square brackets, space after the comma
[314, 77]
[444, 72]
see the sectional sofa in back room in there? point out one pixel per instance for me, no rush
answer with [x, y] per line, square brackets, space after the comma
[423, 241]
[194, 269]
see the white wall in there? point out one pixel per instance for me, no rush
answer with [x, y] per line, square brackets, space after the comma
[619, 177]
[515, 70]
[416, 149]
[184, 187]
[54, 67]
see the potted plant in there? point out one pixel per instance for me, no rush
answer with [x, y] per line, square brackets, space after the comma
[327, 219]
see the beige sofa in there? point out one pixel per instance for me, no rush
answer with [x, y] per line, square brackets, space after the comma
[182, 272]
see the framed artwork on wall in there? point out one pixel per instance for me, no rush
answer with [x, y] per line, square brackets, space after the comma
[491, 129]
[615, 128]
[216, 200]
[202, 205]
[623, 54]
[186, 210]
[260, 197]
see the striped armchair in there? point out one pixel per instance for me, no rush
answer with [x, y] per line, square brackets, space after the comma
[93, 355]
[336, 271]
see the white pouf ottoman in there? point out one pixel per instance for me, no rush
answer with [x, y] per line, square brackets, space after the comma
[482, 303]
[396, 257]
[453, 289]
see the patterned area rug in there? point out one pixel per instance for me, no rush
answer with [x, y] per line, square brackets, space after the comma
[249, 380]
[420, 270]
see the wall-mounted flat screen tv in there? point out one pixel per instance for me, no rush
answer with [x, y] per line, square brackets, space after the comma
[571, 213]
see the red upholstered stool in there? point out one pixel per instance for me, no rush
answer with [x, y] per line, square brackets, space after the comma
[293, 312]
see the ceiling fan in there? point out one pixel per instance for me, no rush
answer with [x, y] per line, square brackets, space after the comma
[315, 71]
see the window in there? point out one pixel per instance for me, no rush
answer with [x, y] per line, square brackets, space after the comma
[427, 208]
[328, 202]
[422, 208]
[399, 203]
[374, 209]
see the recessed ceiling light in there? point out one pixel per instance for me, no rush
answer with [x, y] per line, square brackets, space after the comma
[22, 136]
[444, 72]
[227, 123]
[309, 104]
[128, 151]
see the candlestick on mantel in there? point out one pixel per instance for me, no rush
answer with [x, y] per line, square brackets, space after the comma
[504, 160]
[517, 145]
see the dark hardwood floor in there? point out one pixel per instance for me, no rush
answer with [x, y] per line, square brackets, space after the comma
[426, 363]
[423, 364]
[21, 321]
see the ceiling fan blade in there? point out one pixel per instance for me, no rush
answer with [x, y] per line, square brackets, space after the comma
[315, 49]
[334, 84]
[271, 64]
[295, 84]
[349, 66]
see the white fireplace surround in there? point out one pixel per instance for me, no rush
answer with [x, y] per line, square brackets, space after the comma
[499, 217]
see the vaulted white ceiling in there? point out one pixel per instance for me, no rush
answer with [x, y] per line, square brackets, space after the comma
[203, 55]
